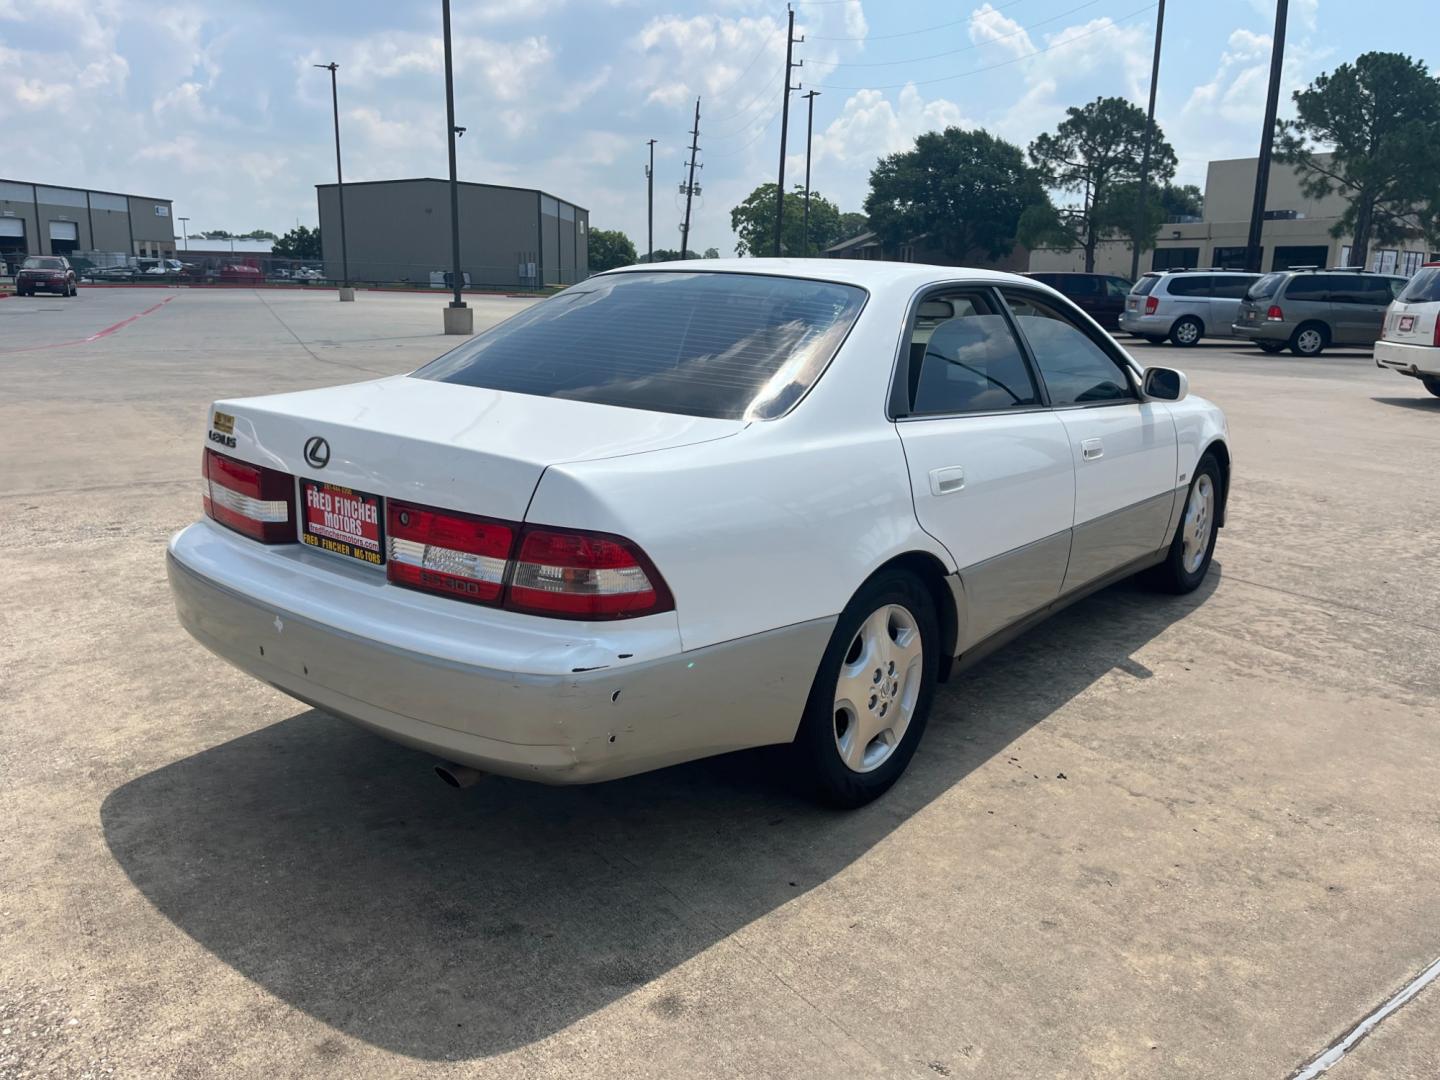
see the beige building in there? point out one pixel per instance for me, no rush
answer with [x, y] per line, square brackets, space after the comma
[1296, 231]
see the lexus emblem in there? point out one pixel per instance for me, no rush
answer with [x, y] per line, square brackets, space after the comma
[317, 451]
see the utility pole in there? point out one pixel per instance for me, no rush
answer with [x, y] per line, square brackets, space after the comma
[689, 187]
[650, 206]
[184, 231]
[459, 319]
[790, 43]
[809, 131]
[1262, 167]
[346, 292]
[1145, 154]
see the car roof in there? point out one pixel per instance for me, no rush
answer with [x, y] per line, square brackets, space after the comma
[866, 273]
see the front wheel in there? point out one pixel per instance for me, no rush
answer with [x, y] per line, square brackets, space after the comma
[1433, 385]
[871, 697]
[1188, 559]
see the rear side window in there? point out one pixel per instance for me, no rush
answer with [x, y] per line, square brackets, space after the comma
[1231, 288]
[1078, 285]
[1145, 284]
[1265, 288]
[964, 358]
[1189, 285]
[1075, 369]
[727, 346]
[1308, 287]
[1424, 287]
[1115, 286]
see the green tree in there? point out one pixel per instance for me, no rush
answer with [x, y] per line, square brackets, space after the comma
[1381, 117]
[852, 223]
[1095, 153]
[1118, 213]
[298, 243]
[964, 191]
[754, 223]
[258, 234]
[712, 253]
[669, 255]
[216, 234]
[610, 248]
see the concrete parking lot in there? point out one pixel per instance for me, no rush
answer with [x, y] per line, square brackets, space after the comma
[1157, 837]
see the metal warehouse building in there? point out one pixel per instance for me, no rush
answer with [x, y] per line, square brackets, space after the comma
[399, 230]
[40, 220]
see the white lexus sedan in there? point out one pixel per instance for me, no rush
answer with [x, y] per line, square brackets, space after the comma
[678, 511]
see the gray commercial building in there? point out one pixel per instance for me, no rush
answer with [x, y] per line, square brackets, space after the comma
[36, 219]
[399, 231]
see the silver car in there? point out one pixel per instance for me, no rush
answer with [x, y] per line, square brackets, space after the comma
[1185, 305]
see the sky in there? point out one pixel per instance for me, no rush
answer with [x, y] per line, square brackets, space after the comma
[218, 107]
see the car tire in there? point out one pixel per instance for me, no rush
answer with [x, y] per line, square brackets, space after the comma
[1309, 339]
[1271, 347]
[1187, 332]
[1433, 385]
[885, 651]
[1188, 560]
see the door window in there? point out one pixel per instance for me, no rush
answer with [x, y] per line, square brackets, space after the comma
[1076, 370]
[964, 358]
[1358, 290]
[1117, 287]
[1231, 287]
[1309, 287]
[1189, 285]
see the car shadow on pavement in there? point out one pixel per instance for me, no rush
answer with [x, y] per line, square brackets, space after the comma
[328, 866]
[1428, 403]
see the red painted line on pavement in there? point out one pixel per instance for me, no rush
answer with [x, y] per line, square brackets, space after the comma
[93, 337]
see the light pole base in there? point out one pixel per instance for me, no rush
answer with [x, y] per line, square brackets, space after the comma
[347, 293]
[459, 320]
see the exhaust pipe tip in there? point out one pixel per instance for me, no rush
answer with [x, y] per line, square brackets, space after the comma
[458, 776]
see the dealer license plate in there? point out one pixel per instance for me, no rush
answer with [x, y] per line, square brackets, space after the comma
[342, 521]
[1407, 323]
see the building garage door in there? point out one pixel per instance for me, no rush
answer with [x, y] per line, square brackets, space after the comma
[12, 243]
[64, 237]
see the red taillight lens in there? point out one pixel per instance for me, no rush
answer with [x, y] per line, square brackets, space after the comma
[1436, 339]
[442, 551]
[1275, 314]
[583, 575]
[1152, 304]
[250, 499]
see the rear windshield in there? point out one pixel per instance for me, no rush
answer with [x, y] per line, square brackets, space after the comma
[1266, 287]
[727, 346]
[33, 263]
[1424, 287]
[1145, 284]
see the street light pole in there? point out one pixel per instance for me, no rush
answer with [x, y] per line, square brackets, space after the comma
[346, 292]
[459, 319]
[184, 230]
[650, 206]
[1145, 154]
[810, 97]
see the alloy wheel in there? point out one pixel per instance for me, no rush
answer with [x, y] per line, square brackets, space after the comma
[878, 687]
[1199, 521]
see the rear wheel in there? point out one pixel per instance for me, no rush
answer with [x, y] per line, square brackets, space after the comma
[1309, 339]
[871, 697]
[1271, 346]
[1188, 560]
[1187, 331]
[1433, 385]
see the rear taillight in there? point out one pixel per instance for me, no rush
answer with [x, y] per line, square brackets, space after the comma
[441, 551]
[250, 499]
[1275, 314]
[1436, 339]
[561, 573]
[1152, 304]
[582, 575]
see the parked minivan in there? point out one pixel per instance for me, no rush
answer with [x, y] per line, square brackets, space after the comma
[1312, 309]
[1185, 305]
[1101, 296]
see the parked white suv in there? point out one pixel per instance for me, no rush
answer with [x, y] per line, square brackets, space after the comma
[1185, 305]
[1410, 338]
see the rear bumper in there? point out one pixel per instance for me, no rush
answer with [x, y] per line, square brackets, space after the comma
[1145, 325]
[1261, 331]
[34, 285]
[1414, 360]
[561, 726]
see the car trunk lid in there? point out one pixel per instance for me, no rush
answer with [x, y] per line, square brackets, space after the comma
[439, 444]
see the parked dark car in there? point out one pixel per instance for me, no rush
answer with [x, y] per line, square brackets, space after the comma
[1101, 296]
[47, 273]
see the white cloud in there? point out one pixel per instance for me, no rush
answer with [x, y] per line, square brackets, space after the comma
[989, 27]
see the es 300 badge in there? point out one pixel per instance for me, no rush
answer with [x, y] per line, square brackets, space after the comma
[222, 429]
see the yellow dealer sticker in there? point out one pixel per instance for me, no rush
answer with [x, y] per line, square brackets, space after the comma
[223, 423]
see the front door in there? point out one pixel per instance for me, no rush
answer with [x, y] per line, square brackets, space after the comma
[1124, 450]
[990, 466]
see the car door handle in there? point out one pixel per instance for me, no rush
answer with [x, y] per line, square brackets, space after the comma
[1092, 449]
[944, 481]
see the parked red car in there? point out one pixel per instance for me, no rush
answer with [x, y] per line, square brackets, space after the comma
[50, 273]
[241, 274]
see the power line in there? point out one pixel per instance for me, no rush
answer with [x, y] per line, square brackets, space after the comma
[745, 127]
[993, 67]
[759, 134]
[964, 48]
[910, 33]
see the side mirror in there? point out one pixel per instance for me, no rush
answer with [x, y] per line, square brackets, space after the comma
[1165, 384]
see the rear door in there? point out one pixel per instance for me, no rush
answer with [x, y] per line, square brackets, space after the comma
[1189, 294]
[990, 465]
[1123, 449]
